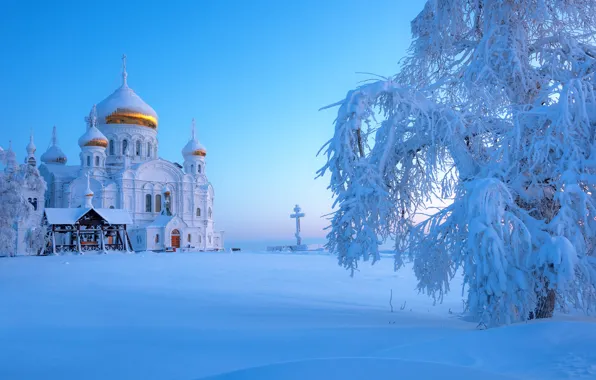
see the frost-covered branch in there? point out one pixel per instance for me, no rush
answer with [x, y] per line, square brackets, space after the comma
[494, 107]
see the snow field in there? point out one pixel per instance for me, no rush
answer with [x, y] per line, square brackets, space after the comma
[258, 316]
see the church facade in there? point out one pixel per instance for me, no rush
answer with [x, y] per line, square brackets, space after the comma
[170, 204]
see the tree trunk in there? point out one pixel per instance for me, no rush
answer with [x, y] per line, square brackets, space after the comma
[546, 305]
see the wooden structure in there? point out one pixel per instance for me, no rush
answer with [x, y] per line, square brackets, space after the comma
[81, 230]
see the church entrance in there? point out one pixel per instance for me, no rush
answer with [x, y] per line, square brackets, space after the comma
[175, 238]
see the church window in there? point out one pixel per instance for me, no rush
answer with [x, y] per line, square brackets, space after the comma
[138, 150]
[158, 203]
[124, 147]
[168, 203]
[148, 203]
[209, 213]
[96, 160]
[111, 147]
[88, 160]
[200, 239]
[189, 238]
[199, 168]
[149, 149]
[198, 211]
[209, 239]
[157, 238]
[192, 168]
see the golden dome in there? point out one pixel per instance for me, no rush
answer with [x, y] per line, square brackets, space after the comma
[124, 106]
[97, 142]
[124, 116]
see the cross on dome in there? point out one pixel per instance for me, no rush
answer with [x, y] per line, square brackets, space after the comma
[124, 73]
[54, 136]
[91, 120]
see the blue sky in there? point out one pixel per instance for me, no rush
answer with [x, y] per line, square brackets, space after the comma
[252, 73]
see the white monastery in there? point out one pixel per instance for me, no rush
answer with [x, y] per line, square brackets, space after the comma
[118, 168]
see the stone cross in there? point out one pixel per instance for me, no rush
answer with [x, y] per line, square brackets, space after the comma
[297, 215]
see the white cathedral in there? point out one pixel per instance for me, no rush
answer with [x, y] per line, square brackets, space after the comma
[170, 205]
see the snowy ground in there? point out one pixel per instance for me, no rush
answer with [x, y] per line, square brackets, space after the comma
[258, 316]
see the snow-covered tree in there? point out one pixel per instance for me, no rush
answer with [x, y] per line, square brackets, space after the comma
[494, 108]
[14, 208]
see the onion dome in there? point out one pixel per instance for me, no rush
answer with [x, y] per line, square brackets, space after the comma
[93, 137]
[54, 155]
[31, 146]
[194, 147]
[124, 106]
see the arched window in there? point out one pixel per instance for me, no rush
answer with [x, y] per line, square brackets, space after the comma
[138, 148]
[200, 238]
[111, 206]
[198, 211]
[148, 198]
[209, 239]
[158, 203]
[111, 147]
[209, 213]
[88, 160]
[189, 238]
[124, 147]
[34, 204]
[149, 149]
[192, 168]
[168, 203]
[199, 168]
[157, 238]
[96, 160]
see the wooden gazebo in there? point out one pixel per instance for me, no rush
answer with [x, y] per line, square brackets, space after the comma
[82, 230]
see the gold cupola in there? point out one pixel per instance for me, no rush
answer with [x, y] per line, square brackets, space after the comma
[124, 106]
[54, 155]
[193, 147]
[93, 137]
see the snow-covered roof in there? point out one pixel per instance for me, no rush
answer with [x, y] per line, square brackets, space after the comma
[72, 215]
[123, 99]
[63, 171]
[93, 137]
[54, 155]
[160, 221]
[115, 215]
[64, 215]
[194, 148]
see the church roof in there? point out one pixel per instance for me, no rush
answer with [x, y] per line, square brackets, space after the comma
[163, 220]
[193, 147]
[124, 106]
[93, 137]
[64, 171]
[123, 99]
[72, 215]
[54, 155]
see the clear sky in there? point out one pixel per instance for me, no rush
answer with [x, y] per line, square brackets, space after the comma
[252, 73]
